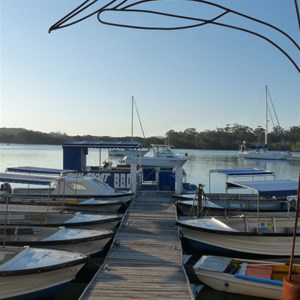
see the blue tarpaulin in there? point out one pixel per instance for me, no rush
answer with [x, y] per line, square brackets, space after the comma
[279, 187]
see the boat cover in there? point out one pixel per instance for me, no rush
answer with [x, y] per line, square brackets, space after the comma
[265, 188]
[39, 170]
[242, 171]
[26, 179]
[102, 144]
[213, 263]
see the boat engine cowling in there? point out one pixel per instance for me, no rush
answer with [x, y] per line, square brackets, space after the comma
[6, 187]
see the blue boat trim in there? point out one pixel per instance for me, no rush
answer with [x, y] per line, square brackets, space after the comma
[258, 279]
[39, 170]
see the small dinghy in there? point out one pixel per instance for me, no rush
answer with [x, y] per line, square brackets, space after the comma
[36, 272]
[263, 279]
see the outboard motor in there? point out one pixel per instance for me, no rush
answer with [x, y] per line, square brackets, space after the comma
[6, 187]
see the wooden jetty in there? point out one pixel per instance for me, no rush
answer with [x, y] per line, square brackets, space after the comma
[145, 261]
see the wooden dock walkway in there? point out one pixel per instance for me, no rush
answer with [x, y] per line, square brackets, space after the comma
[145, 261]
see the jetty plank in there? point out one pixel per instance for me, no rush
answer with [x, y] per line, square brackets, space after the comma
[145, 261]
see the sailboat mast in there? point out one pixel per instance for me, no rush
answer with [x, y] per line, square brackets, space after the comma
[266, 127]
[132, 99]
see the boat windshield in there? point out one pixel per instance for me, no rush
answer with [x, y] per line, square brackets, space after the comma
[98, 181]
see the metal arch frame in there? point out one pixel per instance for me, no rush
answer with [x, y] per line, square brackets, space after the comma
[122, 7]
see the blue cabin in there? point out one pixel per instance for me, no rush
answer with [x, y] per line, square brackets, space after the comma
[119, 177]
[75, 158]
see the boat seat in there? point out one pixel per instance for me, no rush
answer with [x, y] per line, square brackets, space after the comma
[259, 271]
[243, 268]
[232, 269]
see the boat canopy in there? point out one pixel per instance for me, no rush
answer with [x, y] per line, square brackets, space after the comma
[75, 152]
[26, 179]
[39, 170]
[242, 172]
[103, 144]
[264, 188]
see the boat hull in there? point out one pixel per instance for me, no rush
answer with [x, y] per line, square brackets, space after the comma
[201, 235]
[33, 286]
[30, 273]
[90, 205]
[230, 284]
[88, 242]
[265, 155]
[69, 220]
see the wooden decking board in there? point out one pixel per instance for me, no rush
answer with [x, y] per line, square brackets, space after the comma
[145, 260]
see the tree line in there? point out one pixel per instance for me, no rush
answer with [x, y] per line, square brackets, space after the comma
[228, 138]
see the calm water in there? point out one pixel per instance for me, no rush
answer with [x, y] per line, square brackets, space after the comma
[202, 161]
[197, 170]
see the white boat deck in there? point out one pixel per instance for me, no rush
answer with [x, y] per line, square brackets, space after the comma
[145, 261]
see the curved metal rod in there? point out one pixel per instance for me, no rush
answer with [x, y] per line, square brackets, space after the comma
[297, 13]
[119, 7]
[204, 22]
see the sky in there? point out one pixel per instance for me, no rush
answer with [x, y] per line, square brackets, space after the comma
[80, 80]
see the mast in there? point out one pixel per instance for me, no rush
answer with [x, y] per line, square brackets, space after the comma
[266, 125]
[132, 100]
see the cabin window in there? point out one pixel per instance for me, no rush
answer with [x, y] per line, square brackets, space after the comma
[103, 184]
[76, 186]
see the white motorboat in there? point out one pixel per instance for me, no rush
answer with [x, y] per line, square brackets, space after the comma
[36, 272]
[158, 156]
[65, 186]
[263, 279]
[248, 235]
[64, 192]
[244, 235]
[85, 241]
